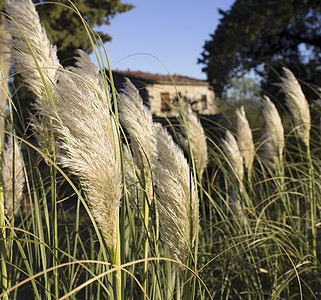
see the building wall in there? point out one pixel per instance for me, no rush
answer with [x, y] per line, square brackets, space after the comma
[162, 96]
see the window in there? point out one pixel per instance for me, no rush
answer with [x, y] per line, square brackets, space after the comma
[204, 101]
[165, 101]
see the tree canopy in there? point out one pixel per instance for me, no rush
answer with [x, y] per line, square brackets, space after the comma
[273, 32]
[66, 30]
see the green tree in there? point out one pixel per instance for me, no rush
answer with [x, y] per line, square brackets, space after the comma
[65, 29]
[273, 32]
[242, 89]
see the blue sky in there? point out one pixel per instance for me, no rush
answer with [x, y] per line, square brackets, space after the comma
[173, 31]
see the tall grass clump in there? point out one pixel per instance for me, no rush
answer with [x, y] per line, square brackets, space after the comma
[138, 122]
[36, 60]
[88, 131]
[100, 202]
[177, 201]
[299, 108]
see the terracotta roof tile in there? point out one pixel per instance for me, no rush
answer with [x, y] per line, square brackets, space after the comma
[158, 78]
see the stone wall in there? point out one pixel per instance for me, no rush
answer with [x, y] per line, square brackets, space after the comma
[162, 98]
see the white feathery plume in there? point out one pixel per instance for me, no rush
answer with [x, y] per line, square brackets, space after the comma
[233, 155]
[89, 141]
[197, 139]
[235, 160]
[25, 27]
[274, 143]
[297, 104]
[12, 187]
[177, 199]
[30, 46]
[245, 138]
[138, 121]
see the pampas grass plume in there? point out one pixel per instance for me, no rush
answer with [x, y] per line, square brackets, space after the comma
[235, 160]
[233, 155]
[177, 199]
[13, 183]
[274, 143]
[197, 139]
[138, 121]
[24, 14]
[297, 104]
[245, 138]
[89, 141]
[30, 46]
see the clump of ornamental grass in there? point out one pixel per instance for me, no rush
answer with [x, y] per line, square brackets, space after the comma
[89, 141]
[177, 200]
[299, 108]
[76, 109]
[274, 135]
[193, 132]
[297, 104]
[245, 139]
[13, 176]
[83, 127]
[73, 114]
[138, 122]
[36, 60]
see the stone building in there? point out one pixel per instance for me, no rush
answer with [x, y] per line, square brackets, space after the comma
[161, 95]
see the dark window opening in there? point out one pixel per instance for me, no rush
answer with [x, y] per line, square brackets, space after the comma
[204, 101]
[165, 102]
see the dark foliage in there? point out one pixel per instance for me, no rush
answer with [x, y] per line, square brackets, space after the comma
[272, 32]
